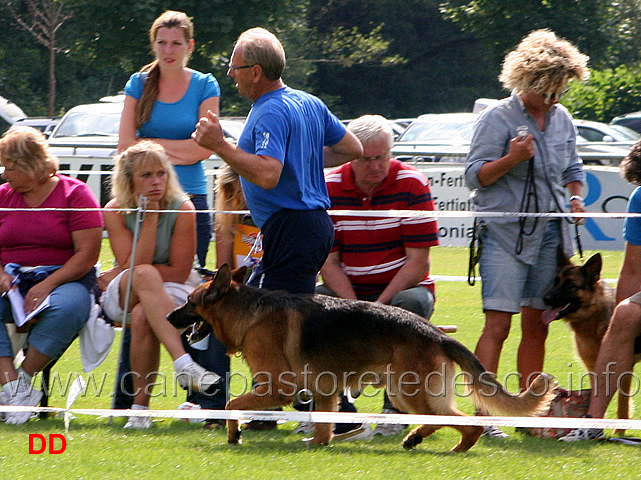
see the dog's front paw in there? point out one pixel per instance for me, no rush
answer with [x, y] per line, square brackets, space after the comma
[411, 440]
[234, 437]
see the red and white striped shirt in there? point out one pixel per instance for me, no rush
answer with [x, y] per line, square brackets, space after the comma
[372, 250]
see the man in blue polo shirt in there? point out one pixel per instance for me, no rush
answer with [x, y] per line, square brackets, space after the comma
[289, 137]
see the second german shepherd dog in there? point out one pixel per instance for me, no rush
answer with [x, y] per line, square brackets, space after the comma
[580, 297]
[328, 344]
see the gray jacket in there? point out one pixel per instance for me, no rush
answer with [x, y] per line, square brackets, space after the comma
[556, 163]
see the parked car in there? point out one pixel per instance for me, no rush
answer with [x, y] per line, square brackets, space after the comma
[603, 144]
[44, 124]
[446, 137]
[86, 140]
[436, 137]
[603, 132]
[398, 125]
[630, 120]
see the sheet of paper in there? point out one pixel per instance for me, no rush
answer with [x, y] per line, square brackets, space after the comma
[17, 307]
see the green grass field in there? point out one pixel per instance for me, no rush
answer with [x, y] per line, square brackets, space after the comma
[175, 449]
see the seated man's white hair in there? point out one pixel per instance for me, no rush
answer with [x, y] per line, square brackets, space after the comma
[370, 127]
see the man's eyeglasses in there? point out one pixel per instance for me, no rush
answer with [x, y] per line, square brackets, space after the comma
[240, 67]
[382, 156]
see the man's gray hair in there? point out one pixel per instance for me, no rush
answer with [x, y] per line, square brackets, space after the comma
[261, 47]
[371, 127]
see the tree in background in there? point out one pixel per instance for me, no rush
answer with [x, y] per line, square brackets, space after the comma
[394, 57]
[306, 48]
[444, 69]
[42, 19]
[608, 93]
[107, 40]
[608, 31]
[501, 24]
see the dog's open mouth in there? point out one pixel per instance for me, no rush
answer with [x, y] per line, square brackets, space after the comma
[199, 330]
[557, 313]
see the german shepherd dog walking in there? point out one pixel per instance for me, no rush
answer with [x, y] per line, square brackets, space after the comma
[586, 302]
[327, 344]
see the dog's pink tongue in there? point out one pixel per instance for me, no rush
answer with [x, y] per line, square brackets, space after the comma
[549, 315]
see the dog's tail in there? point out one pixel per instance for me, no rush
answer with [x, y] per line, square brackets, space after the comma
[488, 393]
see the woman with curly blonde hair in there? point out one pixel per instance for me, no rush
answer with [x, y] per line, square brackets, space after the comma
[523, 153]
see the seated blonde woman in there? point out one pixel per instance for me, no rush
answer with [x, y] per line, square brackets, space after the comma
[43, 253]
[163, 276]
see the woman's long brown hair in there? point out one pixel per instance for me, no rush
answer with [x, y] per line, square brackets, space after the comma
[169, 19]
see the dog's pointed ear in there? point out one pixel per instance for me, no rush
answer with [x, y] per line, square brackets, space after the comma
[592, 269]
[239, 274]
[219, 285]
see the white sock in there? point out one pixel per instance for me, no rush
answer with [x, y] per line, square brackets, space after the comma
[182, 361]
[27, 378]
[135, 406]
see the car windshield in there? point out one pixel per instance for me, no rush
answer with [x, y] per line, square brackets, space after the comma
[439, 132]
[626, 133]
[83, 124]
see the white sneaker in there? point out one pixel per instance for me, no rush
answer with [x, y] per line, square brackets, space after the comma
[304, 427]
[190, 406]
[138, 423]
[582, 434]
[193, 376]
[364, 432]
[25, 396]
[490, 431]
[389, 429]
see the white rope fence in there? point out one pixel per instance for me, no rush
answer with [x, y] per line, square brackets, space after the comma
[370, 213]
[344, 417]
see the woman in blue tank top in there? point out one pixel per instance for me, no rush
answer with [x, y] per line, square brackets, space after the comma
[164, 102]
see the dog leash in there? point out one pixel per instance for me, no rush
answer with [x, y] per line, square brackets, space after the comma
[529, 193]
[556, 201]
[476, 246]
[578, 240]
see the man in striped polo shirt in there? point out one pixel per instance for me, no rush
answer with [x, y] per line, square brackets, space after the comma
[381, 259]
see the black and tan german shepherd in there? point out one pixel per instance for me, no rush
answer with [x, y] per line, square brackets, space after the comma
[586, 302]
[328, 344]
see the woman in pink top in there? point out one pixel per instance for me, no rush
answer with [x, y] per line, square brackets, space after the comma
[43, 253]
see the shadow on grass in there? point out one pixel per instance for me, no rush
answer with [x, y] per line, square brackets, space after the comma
[257, 443]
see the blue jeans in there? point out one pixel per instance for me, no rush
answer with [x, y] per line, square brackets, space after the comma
[203, 227]
[214, 359]
[508, 283]
[57, 326]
